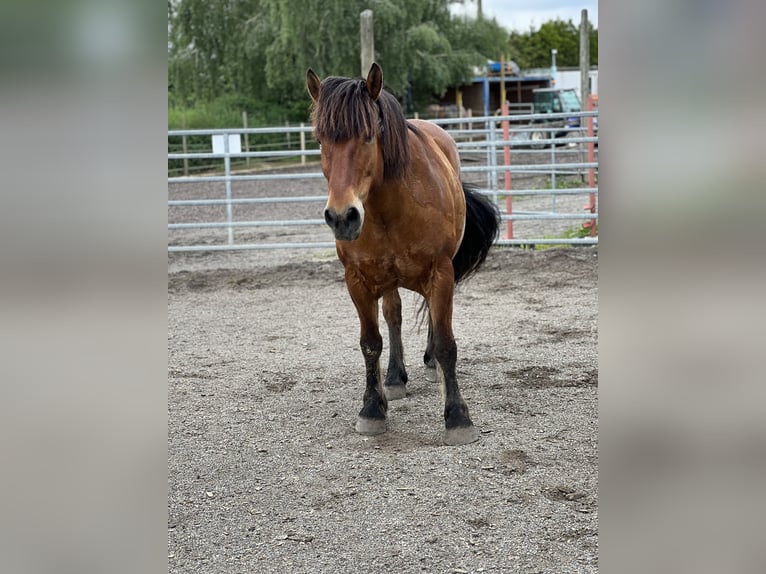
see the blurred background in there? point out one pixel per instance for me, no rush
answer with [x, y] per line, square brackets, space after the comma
[83, 330]
[86, 89]
[681, 423]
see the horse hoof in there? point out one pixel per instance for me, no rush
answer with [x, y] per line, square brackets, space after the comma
[431, 374]
[395, 392]
[370, 426]
[461, 435]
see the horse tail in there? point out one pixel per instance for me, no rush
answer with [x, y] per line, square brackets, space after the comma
[482, 225]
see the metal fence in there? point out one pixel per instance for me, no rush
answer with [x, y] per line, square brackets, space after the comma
[270, 193]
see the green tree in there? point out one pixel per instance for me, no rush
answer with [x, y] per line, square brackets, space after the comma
[253, 54]
[417, 42]
[593, 38]
[293, 35]
[208, 54]
[532, 49]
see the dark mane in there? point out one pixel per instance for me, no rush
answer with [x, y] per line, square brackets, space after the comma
[345, 111]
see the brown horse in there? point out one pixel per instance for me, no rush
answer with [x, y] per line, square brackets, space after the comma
[401, 218]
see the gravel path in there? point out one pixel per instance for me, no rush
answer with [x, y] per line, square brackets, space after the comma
[266, 473]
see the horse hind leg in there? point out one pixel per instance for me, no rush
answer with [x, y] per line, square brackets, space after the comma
[394, 386]
[459, 428]
[428, 357]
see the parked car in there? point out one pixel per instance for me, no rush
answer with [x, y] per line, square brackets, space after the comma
[555, 101]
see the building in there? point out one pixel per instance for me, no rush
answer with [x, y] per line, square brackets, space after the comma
[570, 78]
[482, 94]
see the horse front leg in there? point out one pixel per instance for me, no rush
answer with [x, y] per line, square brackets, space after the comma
[459, 428]
[372, 417]
[396, 375]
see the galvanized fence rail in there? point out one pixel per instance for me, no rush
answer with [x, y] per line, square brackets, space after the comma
[530, 165]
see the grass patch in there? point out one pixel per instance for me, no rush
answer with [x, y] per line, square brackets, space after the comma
[573, 233]
[569, 182]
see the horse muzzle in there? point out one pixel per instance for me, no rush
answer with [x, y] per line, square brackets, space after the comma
[347, 225]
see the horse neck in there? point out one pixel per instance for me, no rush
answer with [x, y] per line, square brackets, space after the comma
[385, 199]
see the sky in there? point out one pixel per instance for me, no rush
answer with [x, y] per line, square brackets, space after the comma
[521, 14]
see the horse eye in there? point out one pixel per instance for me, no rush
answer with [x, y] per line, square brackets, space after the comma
[369, 140]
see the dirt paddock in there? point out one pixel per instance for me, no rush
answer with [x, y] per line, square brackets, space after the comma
[265, 378]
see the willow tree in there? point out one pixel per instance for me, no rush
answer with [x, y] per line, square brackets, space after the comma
[262, 48]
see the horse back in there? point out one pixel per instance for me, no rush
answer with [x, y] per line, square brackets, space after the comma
[440, 139]
[436, 163]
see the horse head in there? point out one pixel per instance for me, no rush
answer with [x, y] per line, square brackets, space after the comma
[347, 125]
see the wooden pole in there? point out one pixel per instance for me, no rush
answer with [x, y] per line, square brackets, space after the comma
[367, 39]
[584, 57]
[502, 80]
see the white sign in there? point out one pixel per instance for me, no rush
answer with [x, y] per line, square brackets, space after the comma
[235, 144]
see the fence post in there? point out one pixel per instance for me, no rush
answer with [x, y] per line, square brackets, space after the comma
[367, 41]
[184, 147]
[287, 125]
[585, 89]
[227, 173]
[552, 136]
[247, 140]
[303, 144]
[492, 157]
[591, 171]
[584, 57]
[507, 173]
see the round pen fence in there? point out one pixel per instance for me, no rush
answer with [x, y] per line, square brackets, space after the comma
[262, 188]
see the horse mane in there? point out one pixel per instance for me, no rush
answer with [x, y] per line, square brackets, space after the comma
[345, 110]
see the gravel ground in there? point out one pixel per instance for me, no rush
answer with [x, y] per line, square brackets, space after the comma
[265, 378]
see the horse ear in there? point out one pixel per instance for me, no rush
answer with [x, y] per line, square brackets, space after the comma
[374, 81]
[312, 83]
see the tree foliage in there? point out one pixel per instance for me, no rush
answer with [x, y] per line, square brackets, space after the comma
[208, 54]
[533, 49]
[254, 53]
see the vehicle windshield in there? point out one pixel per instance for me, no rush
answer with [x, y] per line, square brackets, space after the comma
[569, 101]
